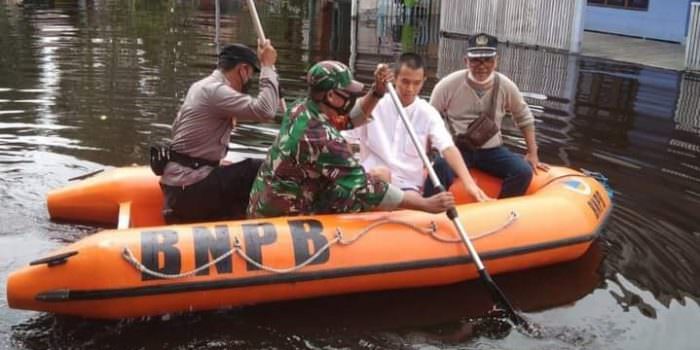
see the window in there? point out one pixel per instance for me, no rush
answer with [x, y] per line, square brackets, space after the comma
[623, 4]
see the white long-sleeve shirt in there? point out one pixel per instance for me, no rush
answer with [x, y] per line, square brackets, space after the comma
[385, 142]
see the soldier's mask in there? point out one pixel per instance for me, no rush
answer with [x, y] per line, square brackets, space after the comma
[340, 122]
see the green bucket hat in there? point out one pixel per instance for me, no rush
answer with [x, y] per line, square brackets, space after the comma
[333, 75]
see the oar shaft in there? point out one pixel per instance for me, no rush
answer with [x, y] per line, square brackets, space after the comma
[452, 213]
[468, 242]
[497, 294]
[261, 35]
[217, 21]
[256, 20]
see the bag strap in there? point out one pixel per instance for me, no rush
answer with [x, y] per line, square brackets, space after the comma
[494, 96]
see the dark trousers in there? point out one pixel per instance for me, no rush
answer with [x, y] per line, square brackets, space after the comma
[222, 195]
[498, 161]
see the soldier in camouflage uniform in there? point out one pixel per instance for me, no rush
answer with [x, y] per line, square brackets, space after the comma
[310, 168]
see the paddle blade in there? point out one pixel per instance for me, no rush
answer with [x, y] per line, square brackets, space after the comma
[500, 299]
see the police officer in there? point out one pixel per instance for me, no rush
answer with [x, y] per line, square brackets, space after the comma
[198, 185]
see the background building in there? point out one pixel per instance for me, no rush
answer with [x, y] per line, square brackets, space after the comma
[650, 19]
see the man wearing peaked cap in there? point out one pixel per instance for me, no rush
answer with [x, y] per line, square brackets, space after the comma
[198, 185]
[238, 53]
[310, 168]
[473, 102]
[482, 45]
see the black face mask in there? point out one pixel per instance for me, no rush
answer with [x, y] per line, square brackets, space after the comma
[245, 87]
[346, 107]
[342, 119]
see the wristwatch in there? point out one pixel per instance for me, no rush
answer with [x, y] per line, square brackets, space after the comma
[376, 93]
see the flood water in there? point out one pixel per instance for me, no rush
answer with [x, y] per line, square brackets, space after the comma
[86, 85]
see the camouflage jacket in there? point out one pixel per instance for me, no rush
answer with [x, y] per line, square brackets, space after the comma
[310, 169]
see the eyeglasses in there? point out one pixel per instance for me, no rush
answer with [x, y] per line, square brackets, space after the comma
[480, 61]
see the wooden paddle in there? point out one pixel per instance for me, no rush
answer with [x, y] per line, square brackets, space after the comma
[261, 35]
[452, 213]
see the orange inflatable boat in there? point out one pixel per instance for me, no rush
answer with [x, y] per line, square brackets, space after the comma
[145, 268]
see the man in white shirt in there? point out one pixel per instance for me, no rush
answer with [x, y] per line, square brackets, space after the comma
[386, 149]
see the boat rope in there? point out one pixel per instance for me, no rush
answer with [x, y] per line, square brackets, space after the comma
[338, 239]
[602, 179]
[129, 256]
[512, 217]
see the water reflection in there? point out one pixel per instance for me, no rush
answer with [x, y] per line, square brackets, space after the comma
[89, 84]
[688, 110]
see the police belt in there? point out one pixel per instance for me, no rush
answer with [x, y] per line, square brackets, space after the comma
[191, 162]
